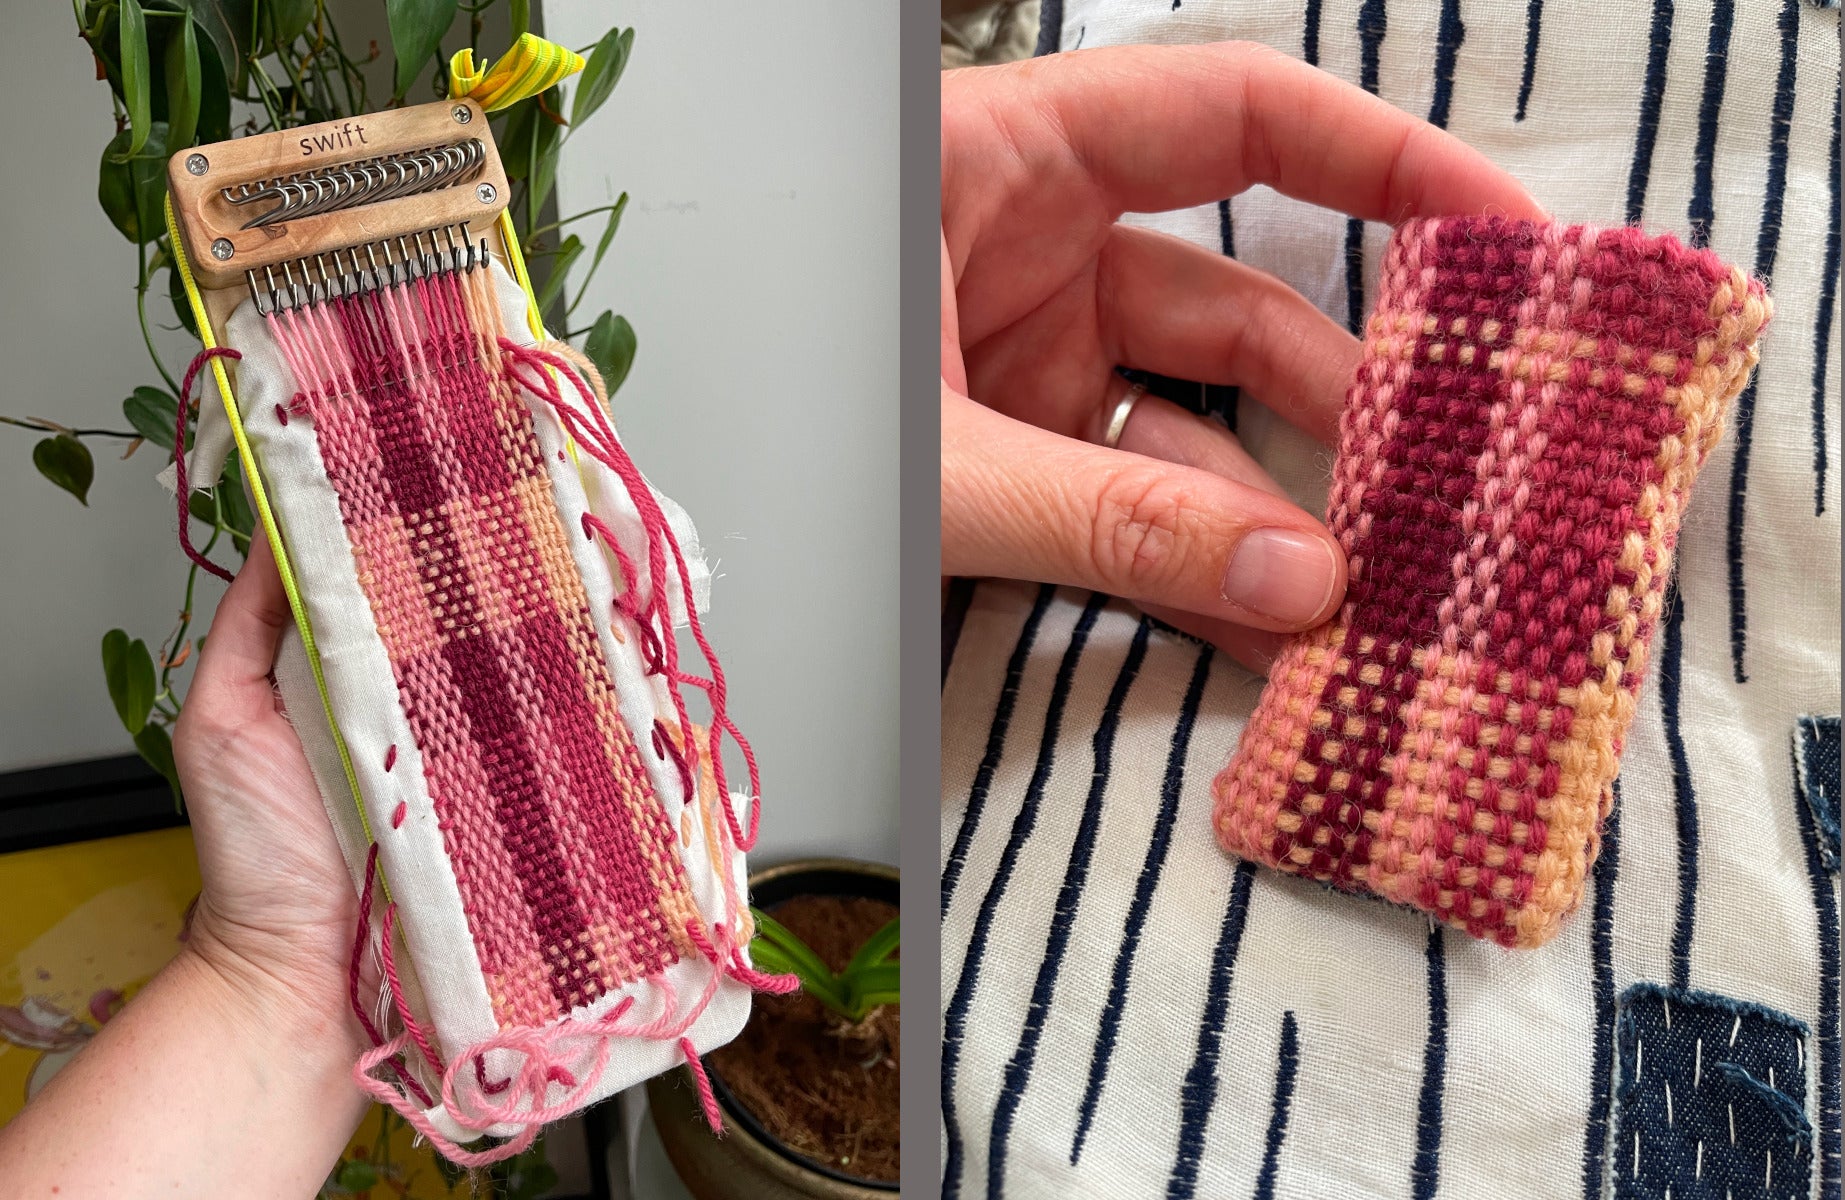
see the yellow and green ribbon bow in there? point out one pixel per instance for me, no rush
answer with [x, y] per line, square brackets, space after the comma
[531, 66]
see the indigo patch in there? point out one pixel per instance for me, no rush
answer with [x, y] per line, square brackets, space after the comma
[1711, 1103]
[1816, 768]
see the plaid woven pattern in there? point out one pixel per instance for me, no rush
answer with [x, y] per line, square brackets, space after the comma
[1531, 407]
[565, 861]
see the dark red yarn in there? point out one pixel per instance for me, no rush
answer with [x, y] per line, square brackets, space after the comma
[179, 457]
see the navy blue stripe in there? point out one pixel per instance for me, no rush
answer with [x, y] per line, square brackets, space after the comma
[1652, 96]
[1109, 1027]
[996, 745]
[1601, 951]
[1425, 1172]
[1448, 37]
[1198, 1095]
[954, 1020]
[1310, 34]
[1287, 1063]
[1767, 246]
[1826, 910]
[1371, 25]
[1220, 401]
[954, 613]
[1050, 28]
[1063, 919]
[1703, 162]
[1822, 332]
[1534, 29]
[1684, 800]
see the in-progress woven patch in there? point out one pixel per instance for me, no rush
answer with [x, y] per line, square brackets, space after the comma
[1531, 407]
[564, 858]
[1711, 1103]
[1816, 769]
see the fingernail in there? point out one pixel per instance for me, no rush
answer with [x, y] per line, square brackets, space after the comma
[1282, 574]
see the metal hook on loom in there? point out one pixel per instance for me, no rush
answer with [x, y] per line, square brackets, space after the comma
[404, 259]
[367, 181]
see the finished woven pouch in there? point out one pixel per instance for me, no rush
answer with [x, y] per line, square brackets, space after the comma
[1515, 455]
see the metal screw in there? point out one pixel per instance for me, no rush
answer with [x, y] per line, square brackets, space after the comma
[463, 114]
[196, 164]
[222, 249]
[485, 193]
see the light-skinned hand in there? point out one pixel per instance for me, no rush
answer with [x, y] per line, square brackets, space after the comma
[1044, 295]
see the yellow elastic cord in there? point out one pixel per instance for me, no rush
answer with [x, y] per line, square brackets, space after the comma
[270, 529]
[531, 66]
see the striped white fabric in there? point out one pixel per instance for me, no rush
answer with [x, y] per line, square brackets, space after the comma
[1128, 1011]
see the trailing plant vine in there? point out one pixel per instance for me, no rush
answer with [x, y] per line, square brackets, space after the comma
[190, 72]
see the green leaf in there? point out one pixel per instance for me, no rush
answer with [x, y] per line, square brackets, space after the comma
[203, 507]
[129, 670]
[515, 138]
[560, 270]
[214, 97]
[356, 1175]
[602, 246]
[417, 27]
[519, 14]
[157, 748]
[815, 976]
[135, 74]
[600, 75]
[232, 505]
[182, 307]
[529, 1180]
[132, 189]
[66, 462]
[151, 413]
[542, 162]
[185, 81]
[878, 947]
[871, 987]
[284, 21]
[225, 23]
[610, 345]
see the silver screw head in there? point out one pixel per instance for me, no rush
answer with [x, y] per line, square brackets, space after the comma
[222, 249]
[463, 114]
[196, 164]
[485, 193]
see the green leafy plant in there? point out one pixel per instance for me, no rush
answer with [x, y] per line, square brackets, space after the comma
[868, 982]
[190, 72]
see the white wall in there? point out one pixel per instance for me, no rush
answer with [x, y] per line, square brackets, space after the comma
[758, 264]
[71, 350]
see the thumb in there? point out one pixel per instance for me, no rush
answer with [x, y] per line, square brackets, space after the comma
[1024, 503]
[232, 684]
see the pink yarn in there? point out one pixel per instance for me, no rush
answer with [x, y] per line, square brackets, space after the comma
[707, 1100]
[601, 442]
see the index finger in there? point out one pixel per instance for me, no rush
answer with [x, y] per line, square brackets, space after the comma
[1158, 128]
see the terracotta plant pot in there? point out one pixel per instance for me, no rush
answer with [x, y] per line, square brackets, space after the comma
[748, 1162]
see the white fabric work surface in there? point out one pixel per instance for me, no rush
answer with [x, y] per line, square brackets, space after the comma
[1494, 1096]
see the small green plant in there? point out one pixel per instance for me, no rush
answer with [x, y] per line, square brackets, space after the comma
[868, 982]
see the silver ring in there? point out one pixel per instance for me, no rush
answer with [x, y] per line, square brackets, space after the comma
[1123, 409]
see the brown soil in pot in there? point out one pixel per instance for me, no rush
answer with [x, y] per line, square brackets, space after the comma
[827, 1090]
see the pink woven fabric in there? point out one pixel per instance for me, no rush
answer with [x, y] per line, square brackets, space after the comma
[1532, 406]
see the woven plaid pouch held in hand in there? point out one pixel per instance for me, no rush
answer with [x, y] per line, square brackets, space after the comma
[1533, 403]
